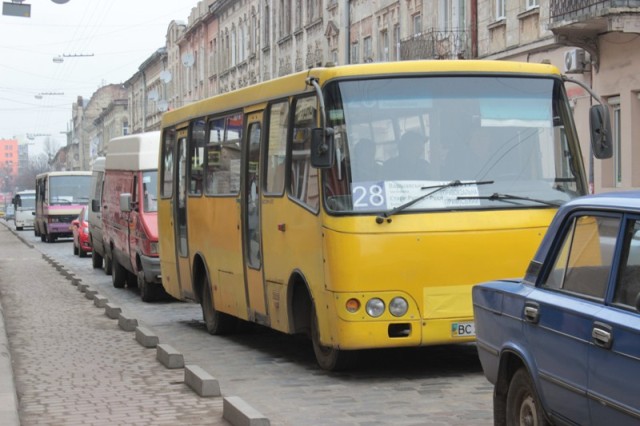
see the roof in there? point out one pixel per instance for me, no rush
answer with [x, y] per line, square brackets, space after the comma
[133, 152]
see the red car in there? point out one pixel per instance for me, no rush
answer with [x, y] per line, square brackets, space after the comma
[80, 229]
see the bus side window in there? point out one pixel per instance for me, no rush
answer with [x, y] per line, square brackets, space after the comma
[223, 156]
[196, 157]
[304, 178]
[168, 147]
[276, 149]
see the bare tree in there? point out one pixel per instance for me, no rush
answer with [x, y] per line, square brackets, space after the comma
[27, 178]
[51, 147]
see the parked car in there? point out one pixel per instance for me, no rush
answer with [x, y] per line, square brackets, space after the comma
[80, 230]
[562, 345]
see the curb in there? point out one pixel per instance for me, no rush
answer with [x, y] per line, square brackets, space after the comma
[235, 410]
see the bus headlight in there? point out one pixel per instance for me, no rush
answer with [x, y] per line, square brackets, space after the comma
[375, 307]
[398, 306]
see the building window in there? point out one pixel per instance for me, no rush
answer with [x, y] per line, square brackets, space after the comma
[616, 128]
[384, 46]
[285, 17]
[501, 12]
[355, 53]
[267, 25]
[417, 24]
[367, 50]
[298, 23]
[313, 10]
[532, 4]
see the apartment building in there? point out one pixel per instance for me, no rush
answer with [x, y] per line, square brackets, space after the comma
[228, 44]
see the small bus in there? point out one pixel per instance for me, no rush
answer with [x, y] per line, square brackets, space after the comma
[24, 203]
[59, 198]
[359, 204]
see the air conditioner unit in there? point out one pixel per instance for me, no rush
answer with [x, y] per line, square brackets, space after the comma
[574, 61]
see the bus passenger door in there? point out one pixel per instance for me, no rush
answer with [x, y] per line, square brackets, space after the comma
[252, 235]
[182, 246]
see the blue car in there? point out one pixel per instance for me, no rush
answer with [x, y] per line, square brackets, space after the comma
[562, 345]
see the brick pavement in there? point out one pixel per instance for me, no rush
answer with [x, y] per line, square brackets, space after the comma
[75, 366]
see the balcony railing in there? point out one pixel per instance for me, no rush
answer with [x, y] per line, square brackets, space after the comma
[574, 9]
[437, 44]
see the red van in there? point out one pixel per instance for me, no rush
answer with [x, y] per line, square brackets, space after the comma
[129, 214]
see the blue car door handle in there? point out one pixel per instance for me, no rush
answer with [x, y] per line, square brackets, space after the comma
[601, 335]
[532, 312]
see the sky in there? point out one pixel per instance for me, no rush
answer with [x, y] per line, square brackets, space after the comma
[119, 34]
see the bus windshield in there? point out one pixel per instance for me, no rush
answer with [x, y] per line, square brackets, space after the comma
[65, 190]
[449, 143]
[27, 202]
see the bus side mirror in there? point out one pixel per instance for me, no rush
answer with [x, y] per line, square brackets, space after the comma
[322, 148]
[601, 138]
[95, 205]
[125, 202]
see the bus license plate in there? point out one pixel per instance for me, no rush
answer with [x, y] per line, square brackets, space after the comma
[463, 329]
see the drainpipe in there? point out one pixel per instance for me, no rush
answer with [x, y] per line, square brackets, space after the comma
[347, 31]
[474, 29]
[144, 101]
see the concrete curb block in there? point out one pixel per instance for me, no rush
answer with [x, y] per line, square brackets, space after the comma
[146, 338]
[112, 311]
[169, 357]
[90, 293]
[82, 287]
[200, 381]
[126, 323]
[239, 413]
[100, 301]
[8, 395]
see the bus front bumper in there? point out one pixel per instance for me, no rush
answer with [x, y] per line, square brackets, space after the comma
[386, 334]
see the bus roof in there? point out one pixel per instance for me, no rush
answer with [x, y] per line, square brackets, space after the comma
[133, 152]
[64, 173]
[296, 83]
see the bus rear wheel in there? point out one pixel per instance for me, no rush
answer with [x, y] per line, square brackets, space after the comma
[108, 264]
[328, 358]
[216, 322]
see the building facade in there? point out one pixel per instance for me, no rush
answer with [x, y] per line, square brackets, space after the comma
[228, 44]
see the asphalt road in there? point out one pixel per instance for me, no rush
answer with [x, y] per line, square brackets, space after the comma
[277, 375]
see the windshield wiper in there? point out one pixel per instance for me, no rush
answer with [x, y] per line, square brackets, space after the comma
[509, 198]
[436, 188]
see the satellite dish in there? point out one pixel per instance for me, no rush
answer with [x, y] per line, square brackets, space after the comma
[163, 105]
[165, 76]
[60, 1]
[187, 59]
[153, 95]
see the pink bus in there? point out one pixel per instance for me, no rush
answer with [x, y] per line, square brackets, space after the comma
[59, 198]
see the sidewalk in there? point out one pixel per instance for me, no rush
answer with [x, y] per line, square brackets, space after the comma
[73, 365]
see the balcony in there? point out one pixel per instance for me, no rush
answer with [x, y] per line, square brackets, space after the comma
[579, 22]
[437, 44]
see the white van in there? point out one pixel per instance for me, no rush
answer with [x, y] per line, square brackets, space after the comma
[24, 203]
[95, 213]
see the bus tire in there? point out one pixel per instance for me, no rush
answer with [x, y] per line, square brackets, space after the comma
[50, 238]
[328, 358]
[96, 260]
[118, 275]
[217, 323]
[19, 228]
[43, 238]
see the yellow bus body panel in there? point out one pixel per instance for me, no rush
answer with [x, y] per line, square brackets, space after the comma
[430, 259]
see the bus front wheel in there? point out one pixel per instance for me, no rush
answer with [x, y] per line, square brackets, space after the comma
[329, 358]
[216, 322]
